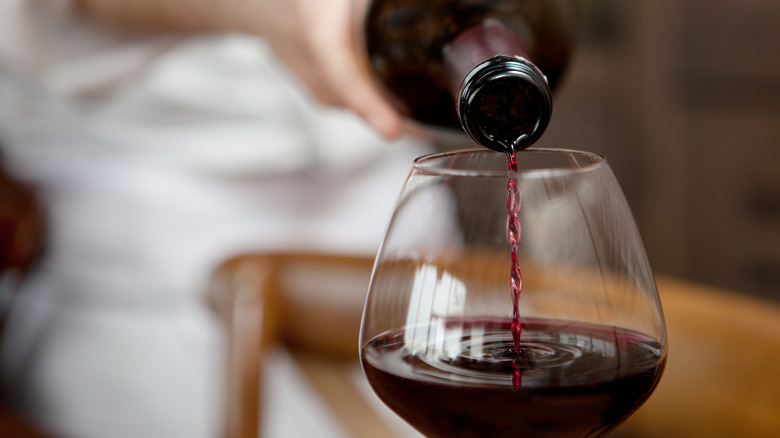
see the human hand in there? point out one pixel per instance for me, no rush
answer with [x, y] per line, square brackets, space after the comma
[314, 38]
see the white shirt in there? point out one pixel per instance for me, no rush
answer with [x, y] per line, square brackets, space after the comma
[156, 158]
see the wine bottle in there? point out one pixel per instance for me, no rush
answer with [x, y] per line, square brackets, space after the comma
[483, 67]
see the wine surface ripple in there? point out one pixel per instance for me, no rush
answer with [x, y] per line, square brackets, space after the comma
[551, 354]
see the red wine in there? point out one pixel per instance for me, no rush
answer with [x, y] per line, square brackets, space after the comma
[454, 378]
[513, 199]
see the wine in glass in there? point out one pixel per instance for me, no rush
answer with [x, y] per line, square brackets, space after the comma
[512, 301]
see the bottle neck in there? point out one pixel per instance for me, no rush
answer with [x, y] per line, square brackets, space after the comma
[503, 100]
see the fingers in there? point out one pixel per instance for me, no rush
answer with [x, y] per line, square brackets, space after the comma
[366, 99]
[361, 95]
[339, 76]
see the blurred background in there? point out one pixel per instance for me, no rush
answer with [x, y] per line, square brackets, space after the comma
[683, 98]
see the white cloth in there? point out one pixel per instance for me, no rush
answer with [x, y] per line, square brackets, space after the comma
[157, 158]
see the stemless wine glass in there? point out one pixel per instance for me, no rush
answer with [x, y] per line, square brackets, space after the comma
[478, 326]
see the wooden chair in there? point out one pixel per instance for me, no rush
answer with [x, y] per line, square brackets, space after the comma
[722, 377]
[312, 304]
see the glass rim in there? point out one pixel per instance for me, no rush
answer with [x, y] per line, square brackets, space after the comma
[422, 163]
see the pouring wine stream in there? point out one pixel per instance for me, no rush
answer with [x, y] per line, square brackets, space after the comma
[513, 202]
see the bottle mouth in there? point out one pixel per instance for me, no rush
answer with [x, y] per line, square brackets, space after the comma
[505, 104]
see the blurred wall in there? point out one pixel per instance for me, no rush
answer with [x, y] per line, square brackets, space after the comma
[683, 98]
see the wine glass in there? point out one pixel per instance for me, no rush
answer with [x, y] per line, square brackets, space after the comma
[508, 303]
